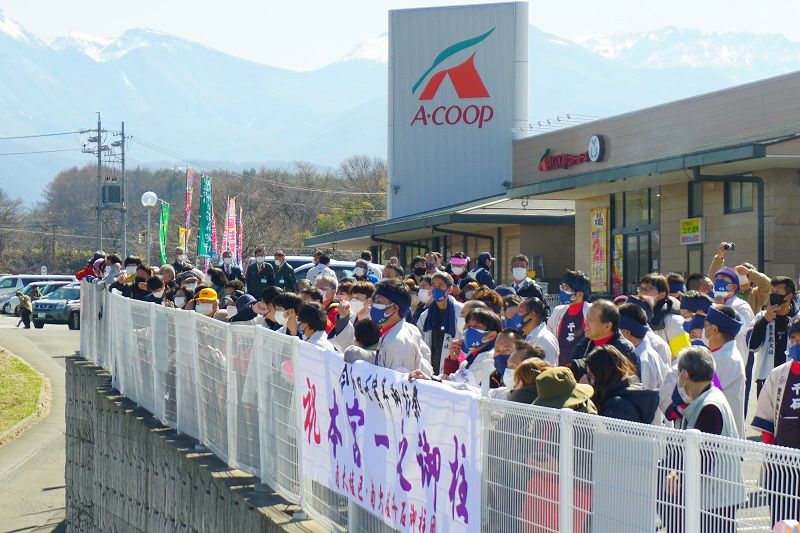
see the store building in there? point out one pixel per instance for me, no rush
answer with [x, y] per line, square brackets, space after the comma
[673, 181]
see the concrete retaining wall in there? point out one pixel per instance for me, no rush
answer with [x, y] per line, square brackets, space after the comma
[127, 472]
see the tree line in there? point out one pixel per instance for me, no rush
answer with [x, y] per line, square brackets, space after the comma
[280, 209]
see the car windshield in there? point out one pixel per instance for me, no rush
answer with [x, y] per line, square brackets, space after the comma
[8, 283]
[65, 293]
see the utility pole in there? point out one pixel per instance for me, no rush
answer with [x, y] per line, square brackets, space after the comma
[124, 205]
[99, 186]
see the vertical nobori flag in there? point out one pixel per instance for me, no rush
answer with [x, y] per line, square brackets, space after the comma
[189, 193]
[214, 240]
[226, 244]
[205, 228]
[241, 240]
[230, 228]
[162, 234]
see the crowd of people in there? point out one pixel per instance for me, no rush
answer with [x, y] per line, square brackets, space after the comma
[681, 351]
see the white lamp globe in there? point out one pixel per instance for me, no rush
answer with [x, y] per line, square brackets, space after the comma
[149, 199]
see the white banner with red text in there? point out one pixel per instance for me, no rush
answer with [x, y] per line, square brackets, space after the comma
[408, 452]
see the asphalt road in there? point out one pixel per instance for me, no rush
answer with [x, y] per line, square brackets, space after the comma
[32, 466]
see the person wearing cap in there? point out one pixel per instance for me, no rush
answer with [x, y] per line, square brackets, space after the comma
[667, 321]
[530, 319]
[205, 302]
[231, 271]
[722, 487]
[284, 272]
[567, 321]
[778, 419]
[522, 284]
[438, 323]
[754, 287]
[245, 310]
[189, 280]
[401, 347]
[482, 271]
[721, 326]
[180, 259]
[633, 326]
[768, 341]
[726, 288]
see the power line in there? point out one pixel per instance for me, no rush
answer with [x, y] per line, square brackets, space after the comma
[48, 233]
[39, 135]
[202, 164]
[43, 151]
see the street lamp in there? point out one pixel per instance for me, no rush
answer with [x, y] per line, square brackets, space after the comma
[149, 199]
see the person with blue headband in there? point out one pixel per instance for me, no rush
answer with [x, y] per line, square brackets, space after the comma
[721, 327]
[568, 320]
[778, 419]
[401, 347]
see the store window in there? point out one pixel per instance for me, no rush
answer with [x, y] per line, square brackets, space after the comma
[636, 216]
[695, 258]
[695, 200]
[738, 197]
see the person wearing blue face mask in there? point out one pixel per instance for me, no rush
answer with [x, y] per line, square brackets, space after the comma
[401, 347]
[503, 348]
[726, 290]
[477, 348]
[568, 320]
[530, 319]
[777, 419]
[438, 323]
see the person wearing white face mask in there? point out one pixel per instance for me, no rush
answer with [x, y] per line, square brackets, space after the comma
[260, 275]
[458, 267]
[180, 259]
[424, 297]
[231, 271]
[205, 302]
[522, 284]
[284, 272]
[362, 272]
[286, 305]
[438, 323]
[156, 288]
[708, 410]
[667, 321]
[360, 301]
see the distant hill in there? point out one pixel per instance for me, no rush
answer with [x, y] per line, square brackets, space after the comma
[192, 100]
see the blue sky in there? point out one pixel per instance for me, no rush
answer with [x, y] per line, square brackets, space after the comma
[308, 34]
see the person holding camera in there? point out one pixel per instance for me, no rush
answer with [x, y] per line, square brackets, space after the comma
[754, 287]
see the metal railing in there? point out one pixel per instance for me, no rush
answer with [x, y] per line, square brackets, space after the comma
[544, 470]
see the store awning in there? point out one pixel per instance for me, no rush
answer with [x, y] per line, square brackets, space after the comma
[487, 213]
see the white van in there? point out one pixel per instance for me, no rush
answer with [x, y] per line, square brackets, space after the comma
[11, 284]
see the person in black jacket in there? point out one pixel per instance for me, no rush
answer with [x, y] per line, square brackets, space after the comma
[231, 271]
[260, 275]
[284, 272]
[482, 272]
[617, 391]
[601, 328]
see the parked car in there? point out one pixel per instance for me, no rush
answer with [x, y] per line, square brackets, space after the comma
[9, 304]
[341, 268]
[11, 284]
[62, 306]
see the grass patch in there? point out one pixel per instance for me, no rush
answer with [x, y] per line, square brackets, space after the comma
[19, 390]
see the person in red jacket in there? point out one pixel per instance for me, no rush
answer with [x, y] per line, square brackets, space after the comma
[91, 269]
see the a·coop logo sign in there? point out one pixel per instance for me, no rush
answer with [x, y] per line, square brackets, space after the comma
[467, 83]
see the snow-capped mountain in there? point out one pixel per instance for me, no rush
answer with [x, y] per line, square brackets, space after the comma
[186, 98]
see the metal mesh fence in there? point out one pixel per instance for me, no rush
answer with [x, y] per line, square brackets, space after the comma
[544, 470]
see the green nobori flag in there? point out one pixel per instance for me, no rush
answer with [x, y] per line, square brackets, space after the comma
[204, 231]
[162, 235]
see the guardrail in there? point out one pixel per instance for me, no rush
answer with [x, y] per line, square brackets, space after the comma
[543, 470]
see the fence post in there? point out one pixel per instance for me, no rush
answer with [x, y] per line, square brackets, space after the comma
[566, 477]
[298, 409]
[692, 491]
[485, 414]
[232, 400]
